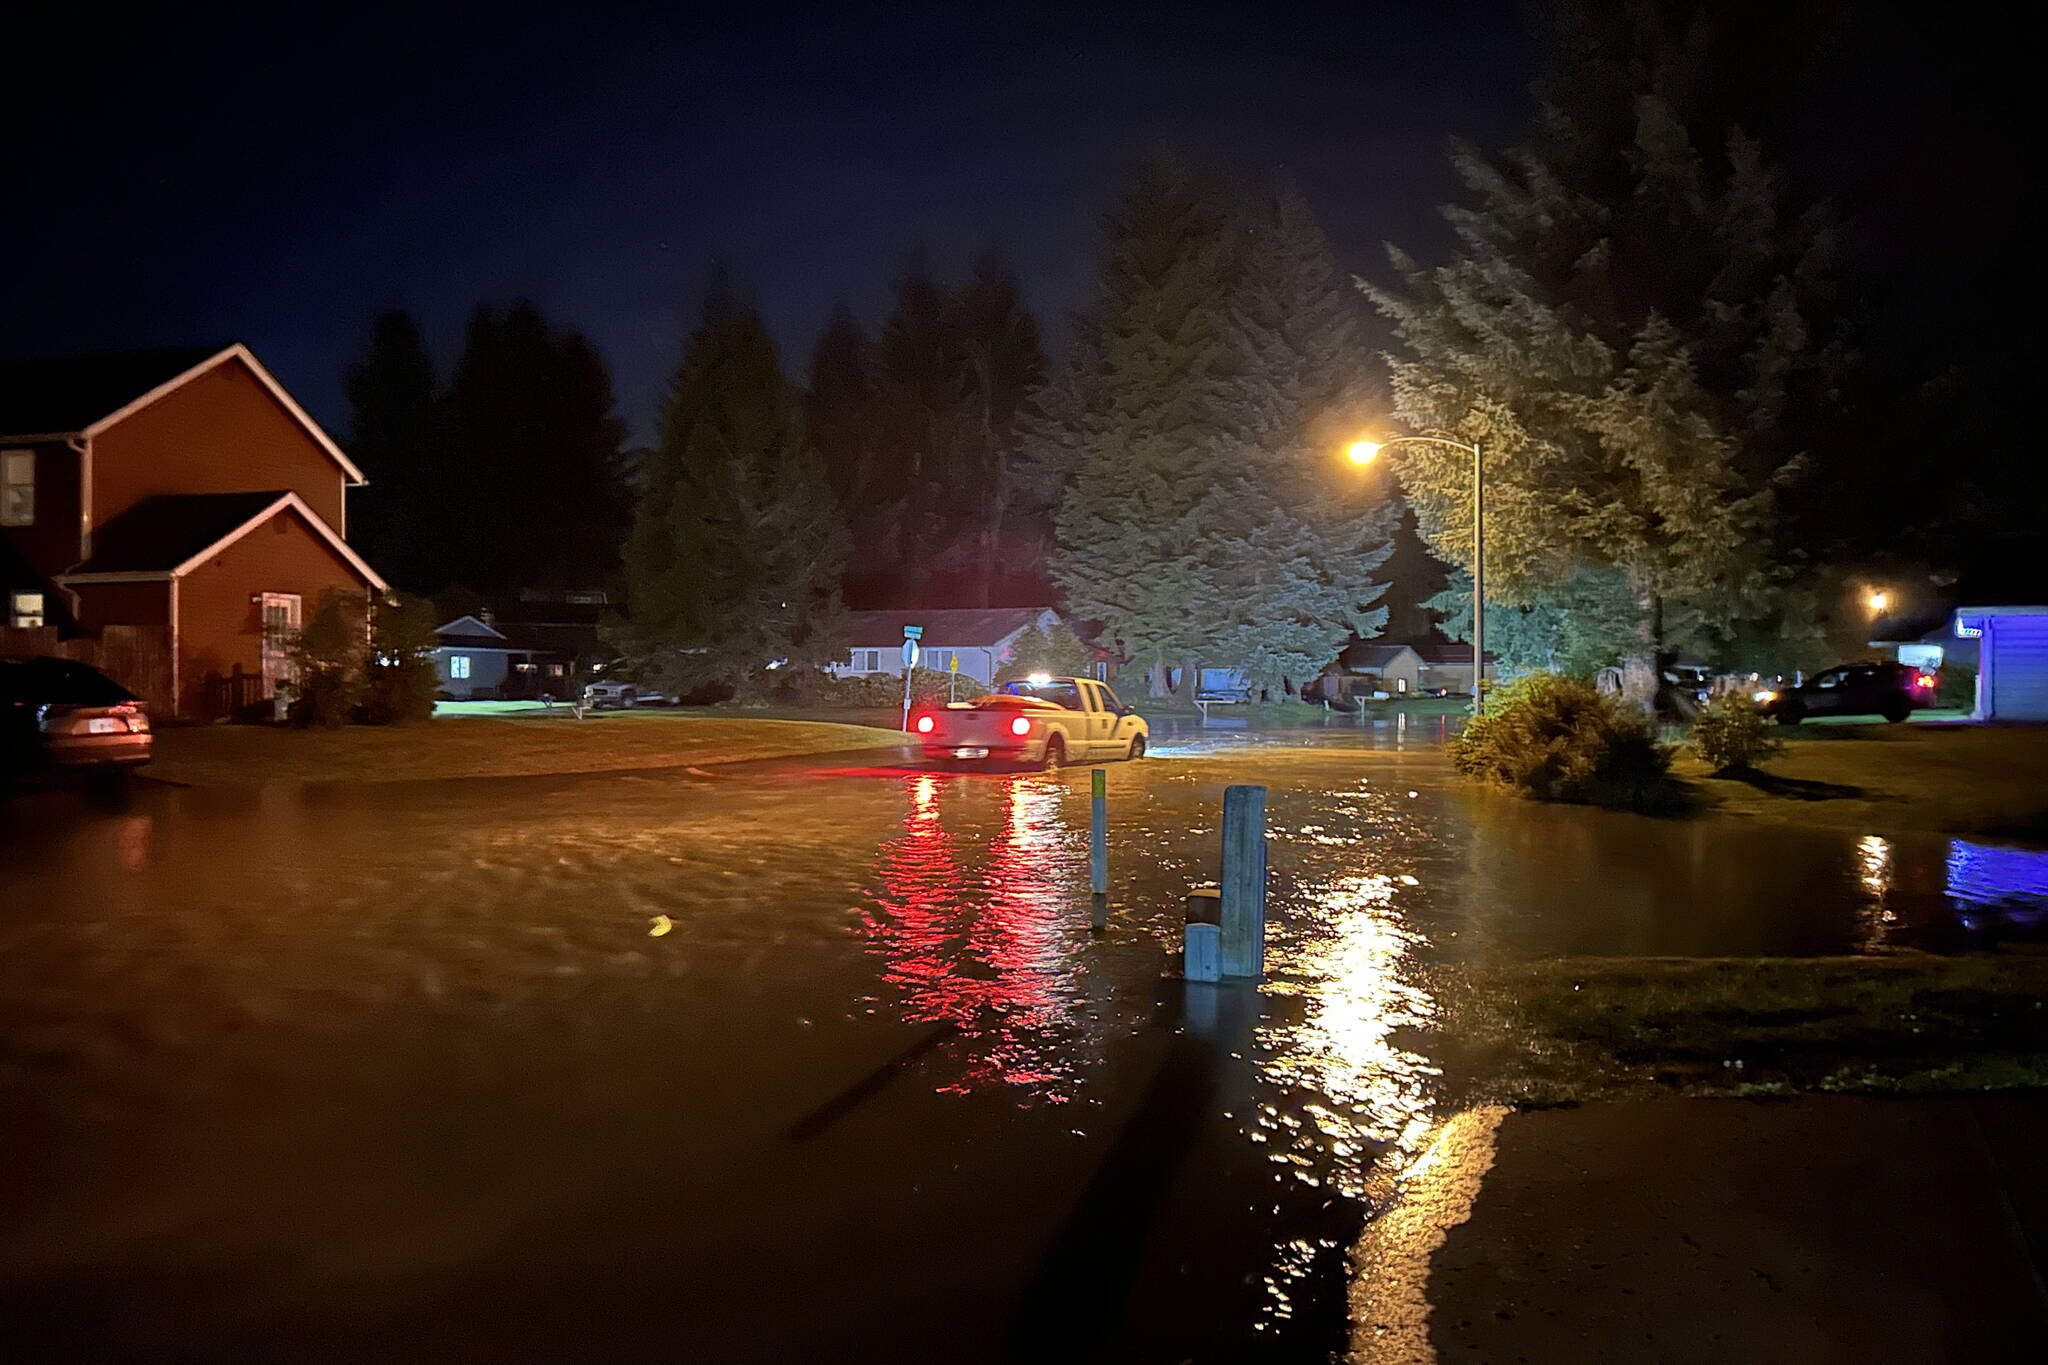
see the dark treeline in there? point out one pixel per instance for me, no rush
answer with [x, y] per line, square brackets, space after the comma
[1716, 372]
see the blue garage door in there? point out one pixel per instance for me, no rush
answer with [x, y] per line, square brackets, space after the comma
[2019, 667]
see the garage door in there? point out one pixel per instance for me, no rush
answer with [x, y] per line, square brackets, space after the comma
[2019, 667]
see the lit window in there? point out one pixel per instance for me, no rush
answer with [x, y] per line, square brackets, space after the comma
[18, 488]
[458, 665]
[26, 609]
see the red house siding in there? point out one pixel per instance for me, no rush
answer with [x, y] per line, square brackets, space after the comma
[50, 545]
[219, 433]
[123, 604]
[220, 623]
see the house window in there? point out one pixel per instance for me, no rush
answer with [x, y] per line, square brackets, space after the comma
[554, 670]
[867, 661]
[458, 665]
[25, 609]
[17, 488]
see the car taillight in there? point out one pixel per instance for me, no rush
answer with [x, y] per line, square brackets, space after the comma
[1925, 680]
[924, 725]
[1021, 726]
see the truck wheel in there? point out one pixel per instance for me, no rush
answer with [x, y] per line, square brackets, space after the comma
[1055, 754]
[1137, 747]
[1897, 712]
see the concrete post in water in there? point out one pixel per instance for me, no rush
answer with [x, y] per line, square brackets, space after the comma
[1200, 960]
[1243, 936]
[1098, 847]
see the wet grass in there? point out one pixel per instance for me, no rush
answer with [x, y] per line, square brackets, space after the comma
[492, 746]
[1952, 779]
[1580, 1029]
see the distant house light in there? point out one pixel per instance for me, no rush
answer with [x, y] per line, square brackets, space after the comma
[1969, 630]
[458, 665]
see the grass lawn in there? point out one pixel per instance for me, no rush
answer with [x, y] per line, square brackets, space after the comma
[1945, 778]
[1579, 1029]
[508, 744]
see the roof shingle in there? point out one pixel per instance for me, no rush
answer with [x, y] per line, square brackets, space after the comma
[159, 533]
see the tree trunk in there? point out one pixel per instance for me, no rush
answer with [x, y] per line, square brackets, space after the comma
[1190, 681]
[1155, 678]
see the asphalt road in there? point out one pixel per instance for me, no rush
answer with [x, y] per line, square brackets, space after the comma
[779, 1062]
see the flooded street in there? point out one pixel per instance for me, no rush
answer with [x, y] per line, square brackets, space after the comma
[786, 1062]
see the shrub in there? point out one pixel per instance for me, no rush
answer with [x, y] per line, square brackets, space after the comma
[399, 683]
[1732, 734]
[1956, 688]
[1560, 739]
[327, 662]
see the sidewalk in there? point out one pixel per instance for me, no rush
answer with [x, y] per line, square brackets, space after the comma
[1721, 1231]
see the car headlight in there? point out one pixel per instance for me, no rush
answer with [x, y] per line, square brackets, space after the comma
[1766, 695]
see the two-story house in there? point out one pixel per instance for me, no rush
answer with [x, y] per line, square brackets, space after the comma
[177, 489]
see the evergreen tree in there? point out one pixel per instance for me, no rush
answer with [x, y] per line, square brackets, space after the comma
[1191, 432]
[1628, 327]
[509, 478]
[392, 439]
[1003, 363]
[734, 560]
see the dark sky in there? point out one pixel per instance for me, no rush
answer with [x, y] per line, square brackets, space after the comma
[278, 177]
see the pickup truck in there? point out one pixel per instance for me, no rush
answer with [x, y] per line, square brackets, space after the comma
[1040, 721]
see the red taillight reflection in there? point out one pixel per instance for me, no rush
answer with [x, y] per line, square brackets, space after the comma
[924, 725]
[1021, 726]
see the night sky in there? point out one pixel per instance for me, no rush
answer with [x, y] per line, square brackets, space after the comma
[265, 176]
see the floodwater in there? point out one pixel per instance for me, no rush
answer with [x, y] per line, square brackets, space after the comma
[794, 1062]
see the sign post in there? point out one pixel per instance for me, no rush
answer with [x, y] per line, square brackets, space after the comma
[911, 634]
[952, 677]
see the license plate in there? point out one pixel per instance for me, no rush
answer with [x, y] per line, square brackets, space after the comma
[104, 725]
[970, 753]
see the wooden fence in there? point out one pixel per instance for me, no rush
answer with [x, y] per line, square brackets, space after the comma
[137, 657]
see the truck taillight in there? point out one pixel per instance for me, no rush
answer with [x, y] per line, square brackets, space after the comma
[1925, 680]
[924, 725]
[1021, 726]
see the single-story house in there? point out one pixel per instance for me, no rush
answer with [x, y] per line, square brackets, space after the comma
[1449, 666]
[979, 638]
[475, 660]
[2012, 660]
[1368, 668]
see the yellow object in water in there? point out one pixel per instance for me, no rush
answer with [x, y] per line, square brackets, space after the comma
[660, 925]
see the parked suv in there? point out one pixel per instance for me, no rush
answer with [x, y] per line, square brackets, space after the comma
[1893, 691]
[59, 711]
[624, 695]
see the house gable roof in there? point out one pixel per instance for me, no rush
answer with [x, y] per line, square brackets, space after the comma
[469, 626]
[83, 395]
[1374, 656]
[173, 533]
[972, 627]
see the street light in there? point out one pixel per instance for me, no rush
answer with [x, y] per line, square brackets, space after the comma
[1365, 452]
[1878, 600]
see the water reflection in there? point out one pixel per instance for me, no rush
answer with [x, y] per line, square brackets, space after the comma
[1998, 891]
[1875, 919]
[976, 924]
[1352, 961]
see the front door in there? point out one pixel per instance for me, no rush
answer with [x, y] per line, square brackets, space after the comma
[280, 629]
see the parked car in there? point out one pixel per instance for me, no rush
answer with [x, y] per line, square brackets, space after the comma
[67, 714]
[1041, 722]
[1893, 691]
[599, 696]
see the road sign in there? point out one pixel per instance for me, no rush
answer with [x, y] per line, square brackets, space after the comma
[913, 632]
[910, 654]
[953, 664]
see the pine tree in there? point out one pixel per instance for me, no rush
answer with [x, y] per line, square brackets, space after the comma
[1626, 329]
[1191, 434]
[392, 439]
[1003, 363]
[734, 561]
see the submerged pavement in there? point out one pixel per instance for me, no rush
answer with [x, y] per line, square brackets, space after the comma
[797, 1062]
[1809, 1231]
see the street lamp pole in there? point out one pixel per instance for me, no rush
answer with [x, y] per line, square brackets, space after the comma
[1364, 452]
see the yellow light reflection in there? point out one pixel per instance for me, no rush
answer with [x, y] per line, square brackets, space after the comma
[1874, 874]
[1361, 987]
